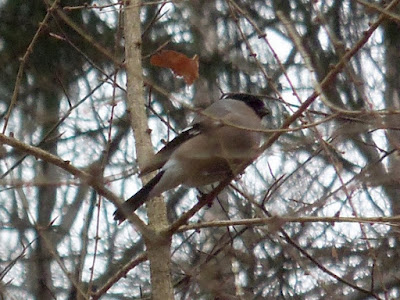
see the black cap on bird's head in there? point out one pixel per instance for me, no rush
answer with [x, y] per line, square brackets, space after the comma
[253, 101]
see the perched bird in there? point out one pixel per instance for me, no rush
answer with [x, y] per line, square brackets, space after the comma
[218, 141]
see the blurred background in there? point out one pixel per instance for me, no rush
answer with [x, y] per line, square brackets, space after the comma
[62, 88]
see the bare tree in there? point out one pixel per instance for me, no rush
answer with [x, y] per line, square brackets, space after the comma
[314, 216]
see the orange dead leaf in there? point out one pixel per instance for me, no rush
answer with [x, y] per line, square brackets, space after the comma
[179, 63]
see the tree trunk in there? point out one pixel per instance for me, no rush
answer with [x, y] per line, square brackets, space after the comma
[158, 247]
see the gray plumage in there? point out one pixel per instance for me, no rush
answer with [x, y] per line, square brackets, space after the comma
[220, 139]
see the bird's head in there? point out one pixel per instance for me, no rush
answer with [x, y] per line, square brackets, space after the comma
[253, 101]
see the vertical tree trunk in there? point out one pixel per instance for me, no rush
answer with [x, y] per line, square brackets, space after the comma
[158, 247]
[43, 287]
[392, 98]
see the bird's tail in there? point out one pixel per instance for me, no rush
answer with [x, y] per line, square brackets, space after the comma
[137, 200]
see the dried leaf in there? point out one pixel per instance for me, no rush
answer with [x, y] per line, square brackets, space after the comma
[179, 63]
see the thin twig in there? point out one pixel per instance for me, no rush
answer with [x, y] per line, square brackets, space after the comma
[281, 220]
[122, 272]
[84, 176]
[24, 60]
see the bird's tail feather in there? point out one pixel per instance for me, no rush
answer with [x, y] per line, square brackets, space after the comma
[137, 200]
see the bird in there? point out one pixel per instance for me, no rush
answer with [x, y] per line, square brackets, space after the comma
[221, 138]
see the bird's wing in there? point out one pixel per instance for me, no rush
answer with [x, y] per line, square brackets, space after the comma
[160, 158]
[209, 120]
